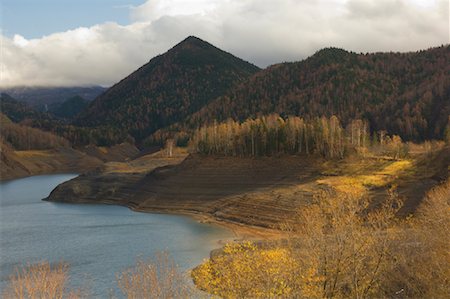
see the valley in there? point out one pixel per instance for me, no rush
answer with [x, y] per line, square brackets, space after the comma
[332, 172]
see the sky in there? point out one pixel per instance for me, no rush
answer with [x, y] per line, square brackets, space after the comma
[98, 42]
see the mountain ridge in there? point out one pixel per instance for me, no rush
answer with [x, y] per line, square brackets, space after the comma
[39, 96]
[404, 93]
[195, 83]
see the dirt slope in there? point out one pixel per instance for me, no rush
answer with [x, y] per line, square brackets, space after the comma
[263, 192]
[259, 192]
[16, 164]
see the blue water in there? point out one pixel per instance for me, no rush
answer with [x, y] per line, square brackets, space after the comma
[98, 241]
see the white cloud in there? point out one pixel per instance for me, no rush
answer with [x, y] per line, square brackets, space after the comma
[19, 40]
[155, 9]
[261, 31]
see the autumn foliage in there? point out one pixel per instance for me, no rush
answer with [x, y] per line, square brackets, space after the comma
[22, 137]
[339, 247]
[336, 250]
[405, 94]
[245, 271]
[274, 135]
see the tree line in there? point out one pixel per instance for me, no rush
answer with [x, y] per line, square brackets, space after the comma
[22, 137]
[273, 134]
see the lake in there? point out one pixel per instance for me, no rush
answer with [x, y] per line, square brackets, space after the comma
[98, 241]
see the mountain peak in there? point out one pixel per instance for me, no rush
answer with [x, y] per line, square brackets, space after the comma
[333, 53]
[192, 39]
[193, 42]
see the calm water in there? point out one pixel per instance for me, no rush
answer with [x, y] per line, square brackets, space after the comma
[97, 241]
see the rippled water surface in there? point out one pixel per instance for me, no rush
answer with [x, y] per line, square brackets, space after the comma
[97, 241]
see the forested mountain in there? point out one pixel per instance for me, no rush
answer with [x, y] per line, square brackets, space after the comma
[57, 121]
[195, 84]
[40, 96]
[167, 89]
[407, 94]
[69, 108]
[18, 111]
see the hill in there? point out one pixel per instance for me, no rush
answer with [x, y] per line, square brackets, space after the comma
[15, 164]
[21, 137]
[26, 151]
[167, 89]
[407, 94]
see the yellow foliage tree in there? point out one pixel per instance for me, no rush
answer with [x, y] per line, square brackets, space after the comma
[341, 247]
[246, 271]
[337, 249]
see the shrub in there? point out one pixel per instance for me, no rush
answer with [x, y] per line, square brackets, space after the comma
[422, 267]
[41, 280]
[155, 278]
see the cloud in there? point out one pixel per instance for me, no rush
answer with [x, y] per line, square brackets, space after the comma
[261, 31]
[155, 9]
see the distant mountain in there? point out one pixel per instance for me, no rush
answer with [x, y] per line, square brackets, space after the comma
[41, 96]
[20, 112]
[404, 93]
[167, 89]
[15, 110]
[69, 108]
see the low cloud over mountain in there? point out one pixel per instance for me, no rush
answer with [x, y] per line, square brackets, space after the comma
[261, 31]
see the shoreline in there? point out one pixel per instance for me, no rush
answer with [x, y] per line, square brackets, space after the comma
[59, 171]
[204, 250]
[241, 231]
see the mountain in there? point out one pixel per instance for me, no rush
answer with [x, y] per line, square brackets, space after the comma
[20, 112]
[69, 108]
[17, 111]
[404, 93]
[167, 89]
[40, 96]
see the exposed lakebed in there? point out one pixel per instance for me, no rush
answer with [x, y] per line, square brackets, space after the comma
[98, 241]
